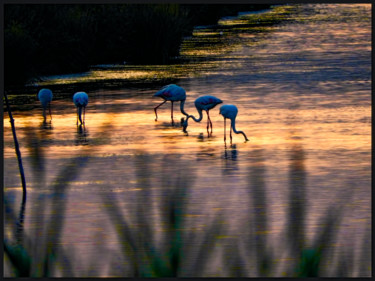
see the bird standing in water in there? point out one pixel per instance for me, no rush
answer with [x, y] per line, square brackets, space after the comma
[171, 93]
[80, 100]
[230, 111]
[45, 97]
[203, 103]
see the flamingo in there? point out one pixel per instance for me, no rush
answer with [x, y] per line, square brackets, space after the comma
[171, 93]
[230, 111]
[45, 97]
[80, 100]
[203, 103]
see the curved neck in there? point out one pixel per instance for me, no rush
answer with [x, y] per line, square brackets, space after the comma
[196, 120]
[233, 123]
[182, 103]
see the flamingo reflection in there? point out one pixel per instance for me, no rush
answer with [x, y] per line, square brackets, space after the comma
[81, 137]
[230, 157]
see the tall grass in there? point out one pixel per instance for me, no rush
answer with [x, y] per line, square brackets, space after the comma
[42, 255]
[154, 236]
[16, 145]
[165, 256]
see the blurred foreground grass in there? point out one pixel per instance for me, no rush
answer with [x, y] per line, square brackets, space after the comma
[175, 251]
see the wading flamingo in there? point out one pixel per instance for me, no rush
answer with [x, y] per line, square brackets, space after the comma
[80, 100]
[171, 93]
[230, 111]
[45, 97]
[203, 103]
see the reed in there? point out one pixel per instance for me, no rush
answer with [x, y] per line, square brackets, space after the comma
[307, 259]
[155, 240]
[40, 257]
[17, 148]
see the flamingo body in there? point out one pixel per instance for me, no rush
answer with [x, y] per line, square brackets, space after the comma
[207, 102]
[230, 111]
[45, 98]
[203, 103]
[80, 99]
[171, 93]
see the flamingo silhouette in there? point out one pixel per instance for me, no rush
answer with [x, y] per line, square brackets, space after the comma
[171, 93]
[45, 97]
[80, 100]
[230, 111]
[203, 103]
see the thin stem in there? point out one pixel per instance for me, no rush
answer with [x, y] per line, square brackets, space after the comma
[18, 152]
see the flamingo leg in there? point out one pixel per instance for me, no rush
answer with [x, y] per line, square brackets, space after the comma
[49, 106]
[209, 119]
[156, 114]
[231, 134]
[172, 113]
[84, 114]
[208, 124]
[225, 134]
[44, 114]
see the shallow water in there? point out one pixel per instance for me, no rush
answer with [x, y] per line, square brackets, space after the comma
[303, 90]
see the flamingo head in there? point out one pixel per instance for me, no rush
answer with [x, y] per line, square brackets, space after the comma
[184, 124]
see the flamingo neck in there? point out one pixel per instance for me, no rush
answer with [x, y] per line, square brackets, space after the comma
[182, 103]
[233, 123]
[195, 119]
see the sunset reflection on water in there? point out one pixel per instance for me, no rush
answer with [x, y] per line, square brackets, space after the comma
[323, 129]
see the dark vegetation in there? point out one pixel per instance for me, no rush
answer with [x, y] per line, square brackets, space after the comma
[179, 252]
[43, 39]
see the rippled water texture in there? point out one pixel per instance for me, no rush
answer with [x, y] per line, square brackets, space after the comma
[303, 90]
